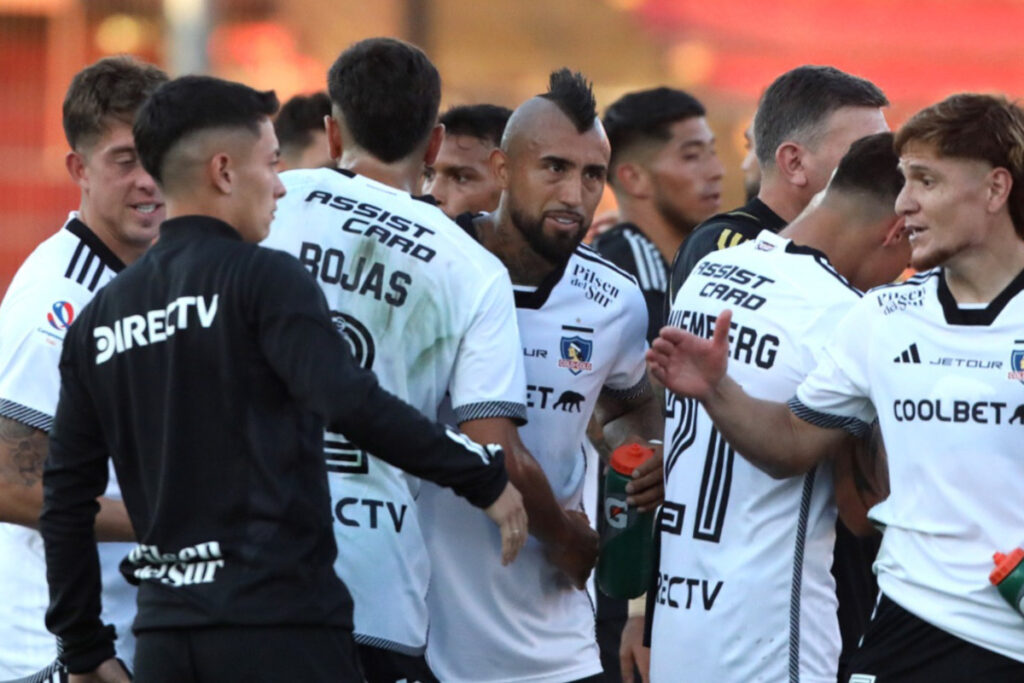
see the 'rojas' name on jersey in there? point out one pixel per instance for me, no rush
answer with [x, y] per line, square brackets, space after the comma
[358, 273]
[152, 327]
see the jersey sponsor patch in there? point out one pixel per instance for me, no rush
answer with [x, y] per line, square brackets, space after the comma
[61, 315]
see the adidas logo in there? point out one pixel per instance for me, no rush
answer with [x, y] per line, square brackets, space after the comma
[910, 355]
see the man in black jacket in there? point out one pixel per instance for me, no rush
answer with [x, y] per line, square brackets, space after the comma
[207, 371]
[806, 121]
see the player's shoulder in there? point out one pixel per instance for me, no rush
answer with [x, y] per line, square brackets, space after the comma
[615, 240]
[722, 231]
[810, 266]
[914, 292]
[588, 257]
[69, 266]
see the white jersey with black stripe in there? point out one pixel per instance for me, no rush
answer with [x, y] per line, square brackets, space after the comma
[583, 333]
[946, 383]
[744, 591]
[431, 312]
[49, 290]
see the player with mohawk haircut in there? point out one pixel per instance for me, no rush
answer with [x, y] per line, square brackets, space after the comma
[582, 325]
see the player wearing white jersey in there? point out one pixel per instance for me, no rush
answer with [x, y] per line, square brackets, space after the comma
[117, 219]
[937, 361]
[582, 324]
[735, 541]
[429, 311]
[422, 304]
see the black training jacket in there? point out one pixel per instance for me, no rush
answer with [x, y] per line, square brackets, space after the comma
[207, 371]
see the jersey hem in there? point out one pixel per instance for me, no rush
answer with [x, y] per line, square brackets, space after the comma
[385, 644]
[852, 425]
[488, 409]
[637, 390]
[31, 417]
[559, 677]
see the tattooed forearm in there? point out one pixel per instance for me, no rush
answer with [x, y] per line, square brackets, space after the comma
[22, 453]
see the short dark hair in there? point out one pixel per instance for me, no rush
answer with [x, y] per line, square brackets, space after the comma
[574, 95]
[194, 103]
[113, 87]
[483, 121]
[299, 118]
[645, 116]
[798, 102]
[870, 167]
[389, 92]
[985, 128]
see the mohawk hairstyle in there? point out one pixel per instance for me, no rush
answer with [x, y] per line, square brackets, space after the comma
[574, 95]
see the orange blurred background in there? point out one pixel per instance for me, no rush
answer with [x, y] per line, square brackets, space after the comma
[497, 51]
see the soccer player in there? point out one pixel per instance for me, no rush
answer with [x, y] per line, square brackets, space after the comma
[734, 541]
[116, 221]
[300, 131]
[666, 177]
[937, 360]
[807, 119]
[424, 306]
[805, 122]
[582, 322]
[461, 178]
[206, 370]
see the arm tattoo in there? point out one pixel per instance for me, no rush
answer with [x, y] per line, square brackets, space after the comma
[22, 452]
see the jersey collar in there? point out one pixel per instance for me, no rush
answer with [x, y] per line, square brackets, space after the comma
[769, 219]
[184, 227]
[80, 230]
[976, 316]
[426, 198]
[525, 298]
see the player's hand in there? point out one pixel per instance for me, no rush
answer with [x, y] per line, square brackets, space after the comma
[509, 514]
[576, 553]
[689, 365]
[632, 651]
[647, 489]
[110, 671]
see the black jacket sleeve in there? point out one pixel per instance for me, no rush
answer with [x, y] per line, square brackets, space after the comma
[301, 344]
[74, 476]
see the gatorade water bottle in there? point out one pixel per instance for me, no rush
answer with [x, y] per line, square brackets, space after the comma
[624, 566]
[1008, 577]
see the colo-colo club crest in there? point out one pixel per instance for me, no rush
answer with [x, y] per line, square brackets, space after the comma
[576, 352]
[1017, 362]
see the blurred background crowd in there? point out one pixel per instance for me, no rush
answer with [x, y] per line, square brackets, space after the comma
[497, 51]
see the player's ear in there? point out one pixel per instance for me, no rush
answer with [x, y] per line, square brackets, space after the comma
[499, 166]
[75, 163]
[220, 172]
[1000, 182]
[894, 233]
[434, 145]
[334, 144]
[633, 179]
[790, 162]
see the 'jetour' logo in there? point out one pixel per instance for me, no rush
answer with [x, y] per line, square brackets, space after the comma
[152, 327]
